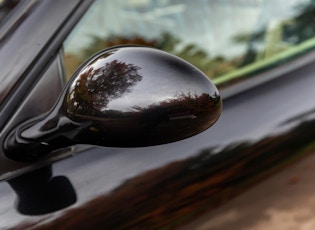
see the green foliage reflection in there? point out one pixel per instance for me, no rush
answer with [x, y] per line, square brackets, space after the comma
[275, 42]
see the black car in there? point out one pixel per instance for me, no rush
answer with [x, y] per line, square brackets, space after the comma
[105, 108]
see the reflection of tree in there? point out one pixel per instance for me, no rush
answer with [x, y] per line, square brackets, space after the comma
[181, 106]
[294, 31]
[190, 102]
[168, 42]
[302, 26]
[252, 40]
[100, 43]
[72, 61]
[95, 88]
[198, 56]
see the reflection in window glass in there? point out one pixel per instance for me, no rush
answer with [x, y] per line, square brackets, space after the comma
[226, 39]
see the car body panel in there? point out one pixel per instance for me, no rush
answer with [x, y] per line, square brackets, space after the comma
[170, 184]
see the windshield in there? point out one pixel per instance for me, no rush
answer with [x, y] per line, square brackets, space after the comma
[226, 39]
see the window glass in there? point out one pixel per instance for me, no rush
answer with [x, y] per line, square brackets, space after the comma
[227, 39]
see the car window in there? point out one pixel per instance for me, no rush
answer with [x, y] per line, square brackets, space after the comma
[229, 40]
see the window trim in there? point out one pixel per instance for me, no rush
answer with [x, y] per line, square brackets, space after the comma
[31, 68]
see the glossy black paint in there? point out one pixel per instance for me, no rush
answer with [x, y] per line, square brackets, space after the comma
[123, 97]
[260, 131]
[172, 184]
[38, 192]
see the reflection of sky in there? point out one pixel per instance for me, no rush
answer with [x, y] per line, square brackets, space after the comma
[209, 24]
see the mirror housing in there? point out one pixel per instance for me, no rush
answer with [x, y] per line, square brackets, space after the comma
[128, 96]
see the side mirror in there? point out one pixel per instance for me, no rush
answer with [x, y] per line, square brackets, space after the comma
[127, 96]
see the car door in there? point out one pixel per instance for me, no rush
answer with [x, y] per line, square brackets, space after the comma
[259, 55]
